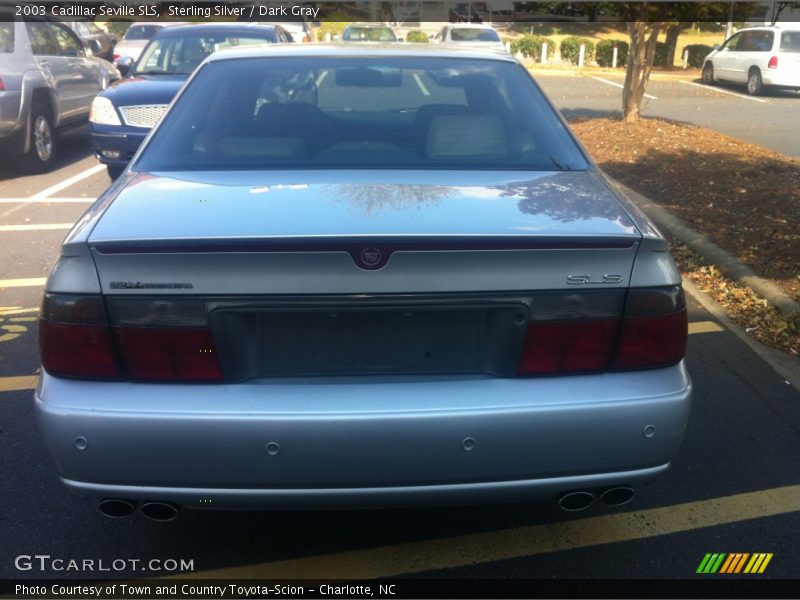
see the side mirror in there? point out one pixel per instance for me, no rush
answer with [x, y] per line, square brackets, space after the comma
[95, 46]
[124, 64]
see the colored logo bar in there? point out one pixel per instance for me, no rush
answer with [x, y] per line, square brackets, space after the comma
[734, 562]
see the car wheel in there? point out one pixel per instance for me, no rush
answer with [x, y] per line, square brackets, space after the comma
[114, 172]
[755, 87]
[708, 74]
[39, 158]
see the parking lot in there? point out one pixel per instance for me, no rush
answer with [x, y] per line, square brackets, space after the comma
[734, 487]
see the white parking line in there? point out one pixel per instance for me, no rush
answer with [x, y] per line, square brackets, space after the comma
[33, 200]
[715, 89]
[619, 85]
[68, 182]
[34, 227]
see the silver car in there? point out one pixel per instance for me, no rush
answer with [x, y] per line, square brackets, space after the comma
[339, 276]
[47, 82]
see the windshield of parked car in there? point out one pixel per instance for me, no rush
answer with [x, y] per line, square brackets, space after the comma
[320, 112]
[463, 34]
[182, 54]
[790, 41]
[142, 32]
[369, 34]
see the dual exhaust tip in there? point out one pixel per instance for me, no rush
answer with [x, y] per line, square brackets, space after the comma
[583, 499]
[117, 508]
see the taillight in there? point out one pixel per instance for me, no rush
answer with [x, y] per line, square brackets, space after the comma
[74, 338]
[571, 332]
[2, 85]
[654, 331]
[773, 62]
[590, 332]
[116, 56]
[168, 354]
[164, 340]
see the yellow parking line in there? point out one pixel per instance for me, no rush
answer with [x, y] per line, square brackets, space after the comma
[506, 544]
[16, 310]
[14, 384]
[704, 327]
[39, 227]
[33, 281]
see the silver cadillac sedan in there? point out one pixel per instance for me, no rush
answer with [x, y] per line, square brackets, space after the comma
[337, 276]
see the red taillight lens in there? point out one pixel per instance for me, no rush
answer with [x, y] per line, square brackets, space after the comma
[116, 56]
[2, 85]
[773, 62]
[567, 347]
[74, 339]
[589, 332]
[169, 354]
[654, 331]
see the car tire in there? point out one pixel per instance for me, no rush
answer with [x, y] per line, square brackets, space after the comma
[41, 155]
[755, 86]
[114, 172]
[707, 75]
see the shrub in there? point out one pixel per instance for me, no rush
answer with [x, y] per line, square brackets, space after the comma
[660, 59]
[571, 49]
[417, 37]
[605, 52]
[697, 53]
[530, 46]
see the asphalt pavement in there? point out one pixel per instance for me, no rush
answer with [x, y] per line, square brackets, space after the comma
[734, 487]
[770, 120]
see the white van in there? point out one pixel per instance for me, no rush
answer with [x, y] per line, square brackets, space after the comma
[758, 57]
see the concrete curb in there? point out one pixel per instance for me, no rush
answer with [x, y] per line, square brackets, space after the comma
[783, 364]
[727, 264]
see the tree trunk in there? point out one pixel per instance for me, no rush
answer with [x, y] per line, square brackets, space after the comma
[640, 63]
[673, 31]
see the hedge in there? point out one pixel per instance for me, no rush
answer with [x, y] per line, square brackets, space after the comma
[417, 37]
[697, 54]
[571, 49]
[604, 52]
[530, 46]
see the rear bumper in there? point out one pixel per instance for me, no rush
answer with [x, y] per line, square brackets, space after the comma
[346, 442]
[787, 78]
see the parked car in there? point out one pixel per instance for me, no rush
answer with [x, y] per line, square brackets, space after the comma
[353, 275]
[124, 113]
[300, 30]
[758, 57]
[368, 32]
[100, 42]
[137, 36]
[470, 35]
[47, 82]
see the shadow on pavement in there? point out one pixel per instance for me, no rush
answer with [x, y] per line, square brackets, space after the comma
[73, 147]
[574, 114]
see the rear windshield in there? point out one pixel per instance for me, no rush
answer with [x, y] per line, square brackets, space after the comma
[316, 112]
[369, 34]
[6, 37]
[142, 32]
[462, 34]
[790, 41]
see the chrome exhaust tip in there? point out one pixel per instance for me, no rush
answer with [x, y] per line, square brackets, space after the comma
[617, 495]
[575, 501]
[160, 511]
[116, 508]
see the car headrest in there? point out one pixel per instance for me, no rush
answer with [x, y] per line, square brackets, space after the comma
[456, 136]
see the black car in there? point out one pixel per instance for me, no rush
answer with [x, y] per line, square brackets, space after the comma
[124, 113]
